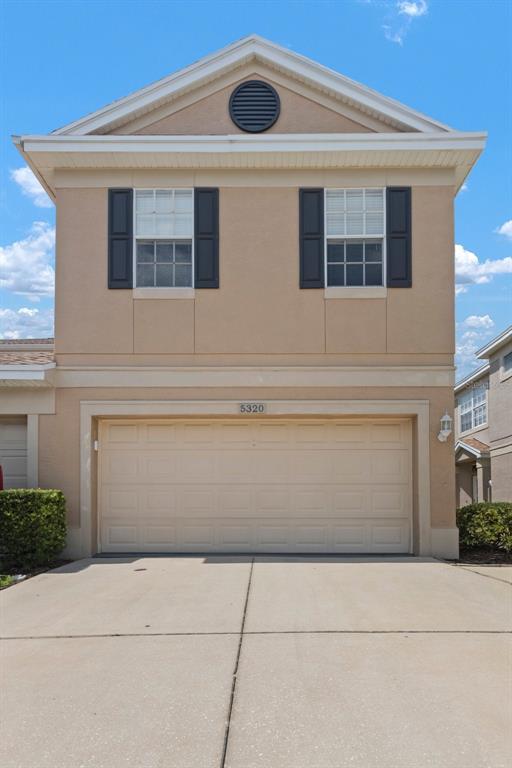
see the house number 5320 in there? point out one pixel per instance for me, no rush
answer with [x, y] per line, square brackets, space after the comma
[252, 407]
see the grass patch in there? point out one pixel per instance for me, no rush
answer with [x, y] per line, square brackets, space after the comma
[6, 581]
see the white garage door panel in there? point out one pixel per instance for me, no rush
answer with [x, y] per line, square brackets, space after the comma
[267, 486]
[13, 451]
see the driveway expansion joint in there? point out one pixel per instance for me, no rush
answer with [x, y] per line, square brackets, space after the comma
[485, 575]
[235, 670]
[471, 567]
[263, 632]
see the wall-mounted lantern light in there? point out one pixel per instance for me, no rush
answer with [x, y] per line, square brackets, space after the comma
[446, 428]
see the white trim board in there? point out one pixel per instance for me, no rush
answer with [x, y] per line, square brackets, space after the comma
[264, 142]
[252, 48]
[81, 544]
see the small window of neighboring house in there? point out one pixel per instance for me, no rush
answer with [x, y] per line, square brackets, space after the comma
[507, 362]
[164, 227]
[355, 230]
[473, 408]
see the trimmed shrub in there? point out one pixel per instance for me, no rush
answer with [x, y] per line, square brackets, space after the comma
[486, 525]
[32, 527]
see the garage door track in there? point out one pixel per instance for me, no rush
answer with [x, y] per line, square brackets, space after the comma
[265, 662]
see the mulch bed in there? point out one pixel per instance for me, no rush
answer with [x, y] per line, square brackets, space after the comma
[484, 556]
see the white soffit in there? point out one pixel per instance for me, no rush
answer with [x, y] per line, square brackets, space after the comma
[252, 48]
[45, 154]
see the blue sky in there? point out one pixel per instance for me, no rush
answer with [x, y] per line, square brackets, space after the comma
[451, 59]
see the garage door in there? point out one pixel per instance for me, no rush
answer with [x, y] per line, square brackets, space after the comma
[13, 450]
[255, 486]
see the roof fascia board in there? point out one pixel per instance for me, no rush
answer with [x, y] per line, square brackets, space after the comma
[313, 142]
[235, 54]
[471, 377]
[26, 375]
[495, 344]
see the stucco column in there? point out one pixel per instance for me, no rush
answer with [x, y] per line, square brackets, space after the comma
[32, 451]
[480, 482]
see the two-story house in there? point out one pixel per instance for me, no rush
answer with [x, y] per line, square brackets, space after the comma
[254, 329]
[483, 426]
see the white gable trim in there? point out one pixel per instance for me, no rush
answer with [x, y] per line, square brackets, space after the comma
[460, 445]
[236, 54]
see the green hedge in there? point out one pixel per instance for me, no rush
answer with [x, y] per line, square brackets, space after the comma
[32, 527]
[486, 525]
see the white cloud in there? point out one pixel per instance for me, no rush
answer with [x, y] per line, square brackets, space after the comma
[506, 229]
[472, 333]
[393, 36]
[470, 271]
[26, 323]
[31, 187]
[478, 321]
[26, 266]
[400, 16]
[412, 9]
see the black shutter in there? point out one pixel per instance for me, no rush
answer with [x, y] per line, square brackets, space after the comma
[206, 238]
[399, 266]
[120, 238]
[311, 235]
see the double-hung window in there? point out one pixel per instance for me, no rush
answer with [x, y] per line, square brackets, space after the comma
[164, 243]
[473, 408]
[355, 231]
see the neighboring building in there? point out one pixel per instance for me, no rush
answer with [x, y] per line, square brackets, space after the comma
[483, 426]
[254, 315]
[26, 391]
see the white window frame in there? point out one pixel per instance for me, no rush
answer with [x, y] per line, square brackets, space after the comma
[162, 290]
[471, 410]
[353, 288]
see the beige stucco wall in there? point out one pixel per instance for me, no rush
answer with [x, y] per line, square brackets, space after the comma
[501, 468]
[258, 317]
[500, 400]
[464, 484]
[59, 434]
[298, 115]
[259, 308]
[500, 426]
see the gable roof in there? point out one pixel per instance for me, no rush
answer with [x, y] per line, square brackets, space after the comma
[492, 346]
[471, 377]
[252, 48]
[472, 447]
[414, 140]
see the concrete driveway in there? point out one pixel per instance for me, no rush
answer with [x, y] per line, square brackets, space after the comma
[271, 662]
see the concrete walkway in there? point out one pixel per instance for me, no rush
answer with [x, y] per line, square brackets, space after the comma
[271, 662]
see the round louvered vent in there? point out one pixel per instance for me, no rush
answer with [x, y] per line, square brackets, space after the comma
[254, 106]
